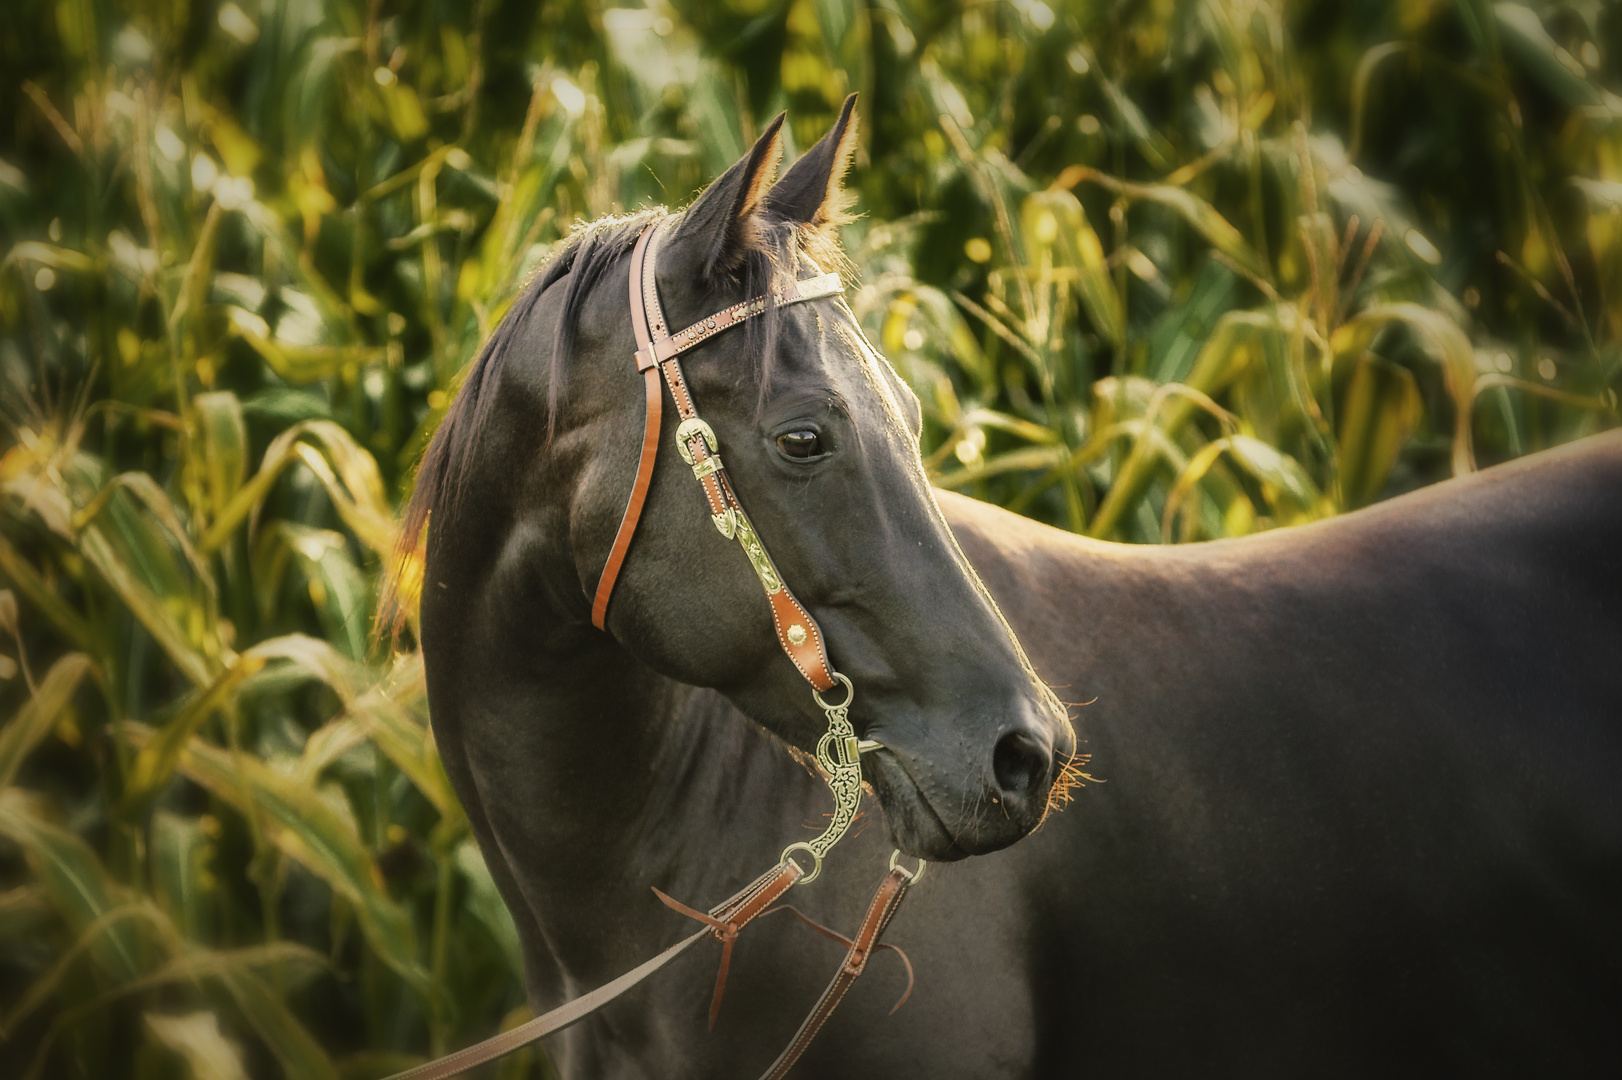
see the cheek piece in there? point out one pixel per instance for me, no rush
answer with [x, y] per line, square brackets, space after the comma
[658, 358]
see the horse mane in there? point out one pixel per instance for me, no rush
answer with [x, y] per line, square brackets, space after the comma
[590, 251]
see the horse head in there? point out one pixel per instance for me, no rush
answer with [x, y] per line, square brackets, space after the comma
[820, 439]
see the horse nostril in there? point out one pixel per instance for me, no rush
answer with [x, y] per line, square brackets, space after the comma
[1020, 764]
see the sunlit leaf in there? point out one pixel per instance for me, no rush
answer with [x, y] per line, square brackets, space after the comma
[1445, 343]
[197, 1038]
[307, 830]
[1079, 250]
[1380, 408]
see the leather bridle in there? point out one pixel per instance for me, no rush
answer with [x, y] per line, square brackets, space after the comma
[658, 359]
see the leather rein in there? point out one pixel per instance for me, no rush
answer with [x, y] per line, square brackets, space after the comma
[658, 360]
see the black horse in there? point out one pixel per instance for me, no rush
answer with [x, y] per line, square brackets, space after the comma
[1362, 811]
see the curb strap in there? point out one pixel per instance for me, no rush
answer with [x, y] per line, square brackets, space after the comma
[737, 911]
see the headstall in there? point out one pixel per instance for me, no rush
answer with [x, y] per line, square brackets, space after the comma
[657, 358]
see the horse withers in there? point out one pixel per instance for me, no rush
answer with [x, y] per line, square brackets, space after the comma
[1360, 817]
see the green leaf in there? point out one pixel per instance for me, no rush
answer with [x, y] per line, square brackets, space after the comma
[1445, 343]
[151, 611]
[484, 900]
[181, 849]
[1054, 220]
[347, 472]
[46, 986]
[305, 828]
[299, 1053]
[340, 592]
[1225, 355]
[40, 714]
[300, 364]
[75, 878]
[1204, 217]
[1379, 409]
[1285, 484]
[155, 763]
[221, 444]
[28, 581]
[404, 736]
[1559, 72]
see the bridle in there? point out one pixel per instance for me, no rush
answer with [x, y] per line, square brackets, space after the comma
[658, 353]
[658, 359]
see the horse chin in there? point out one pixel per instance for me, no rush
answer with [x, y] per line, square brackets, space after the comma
[914, 825]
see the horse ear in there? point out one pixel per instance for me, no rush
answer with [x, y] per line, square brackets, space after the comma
[717, 226]
[811, 192]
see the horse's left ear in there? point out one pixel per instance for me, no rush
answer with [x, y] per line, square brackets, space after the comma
[715, 229]
[811, 192]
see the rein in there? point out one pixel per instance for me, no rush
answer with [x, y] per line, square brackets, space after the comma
[838, 750]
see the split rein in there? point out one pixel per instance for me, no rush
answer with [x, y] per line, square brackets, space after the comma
[838, 751]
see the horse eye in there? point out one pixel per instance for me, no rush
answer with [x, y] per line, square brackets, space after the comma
[800, 444]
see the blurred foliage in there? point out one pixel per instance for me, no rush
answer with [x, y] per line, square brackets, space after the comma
[1165, 269]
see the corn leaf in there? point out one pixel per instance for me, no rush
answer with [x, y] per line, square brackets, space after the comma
[40, 714]
[76, 881]
[300, 823]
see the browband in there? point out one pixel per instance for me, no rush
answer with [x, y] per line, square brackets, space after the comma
[657, 354]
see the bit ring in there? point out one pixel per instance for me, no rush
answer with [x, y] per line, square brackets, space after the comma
[816, 866]
[850, 695]
[913, 876]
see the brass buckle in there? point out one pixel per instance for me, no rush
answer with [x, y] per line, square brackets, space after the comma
[685, 432]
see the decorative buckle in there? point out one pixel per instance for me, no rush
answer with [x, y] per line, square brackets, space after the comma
[685, 432]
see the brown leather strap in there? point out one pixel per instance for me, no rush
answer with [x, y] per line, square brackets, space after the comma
[657, 351]
[797, 632]
[737, 909]
[650, 443]
[722, 921]
[559, 1018]
[879, 913]
[834, 935]
[811, 288]
[729, 918]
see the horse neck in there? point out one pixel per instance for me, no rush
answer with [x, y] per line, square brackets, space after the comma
[593, 777]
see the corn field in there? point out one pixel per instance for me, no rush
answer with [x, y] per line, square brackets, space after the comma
[1159, 271]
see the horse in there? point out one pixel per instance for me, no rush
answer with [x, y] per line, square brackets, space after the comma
[1358, 810]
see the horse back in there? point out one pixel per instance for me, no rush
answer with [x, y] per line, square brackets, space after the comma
[1360, 808]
